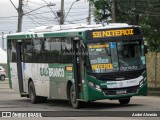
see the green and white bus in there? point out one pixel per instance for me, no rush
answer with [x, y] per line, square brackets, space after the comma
[78, 62]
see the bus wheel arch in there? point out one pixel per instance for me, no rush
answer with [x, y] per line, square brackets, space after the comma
[32, 93]
[72, 98]
[69, 84]
[29, 80]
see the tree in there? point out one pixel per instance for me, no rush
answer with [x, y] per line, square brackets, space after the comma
[102, 11]
[137, 12]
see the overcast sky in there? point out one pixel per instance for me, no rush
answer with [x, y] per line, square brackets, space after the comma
[77, 14]
[6, 7]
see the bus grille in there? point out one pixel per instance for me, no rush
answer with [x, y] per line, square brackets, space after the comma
[126, 75]
[118, 91]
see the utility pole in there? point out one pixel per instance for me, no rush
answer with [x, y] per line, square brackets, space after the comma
[113, 11]
[89, 14]
[20, 16]
[62, 13]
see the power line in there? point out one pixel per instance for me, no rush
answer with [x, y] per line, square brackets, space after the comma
[26, 7]
[77, 14]
[8, 17]
[50, 8]
[78, 20]
[40, 13]
[35, 3]
[145, 14]
[70, 9]
[41, 17]
[34, 20]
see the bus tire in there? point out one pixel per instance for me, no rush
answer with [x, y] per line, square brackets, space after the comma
[32, 94]
[2, 77]
[72, 97]
[124, 101]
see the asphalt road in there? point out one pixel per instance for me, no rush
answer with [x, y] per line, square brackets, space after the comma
[9, 101]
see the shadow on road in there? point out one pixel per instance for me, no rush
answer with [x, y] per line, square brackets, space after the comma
[90, 106]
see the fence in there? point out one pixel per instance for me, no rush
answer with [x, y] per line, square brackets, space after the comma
[153, 72]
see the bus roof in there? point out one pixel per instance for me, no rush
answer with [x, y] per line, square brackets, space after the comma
[66, 30]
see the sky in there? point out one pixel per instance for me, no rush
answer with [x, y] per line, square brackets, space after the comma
[41, 17]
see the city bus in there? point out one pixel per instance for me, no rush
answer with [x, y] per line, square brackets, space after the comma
[78, 62]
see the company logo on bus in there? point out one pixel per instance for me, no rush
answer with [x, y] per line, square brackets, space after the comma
[52, 72]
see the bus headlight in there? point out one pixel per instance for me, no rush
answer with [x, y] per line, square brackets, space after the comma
[91, 84]
[141, 83]
[97, 87]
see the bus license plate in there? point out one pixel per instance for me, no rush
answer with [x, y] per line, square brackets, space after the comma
[121, 92]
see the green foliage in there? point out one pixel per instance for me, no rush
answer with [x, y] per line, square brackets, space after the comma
[137, 12]
[102, 11]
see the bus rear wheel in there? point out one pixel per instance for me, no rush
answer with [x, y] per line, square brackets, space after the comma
[72, 97]
[124, 101]
[32, 93]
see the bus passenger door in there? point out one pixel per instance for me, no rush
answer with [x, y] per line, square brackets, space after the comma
[19, 51]
[77, 59]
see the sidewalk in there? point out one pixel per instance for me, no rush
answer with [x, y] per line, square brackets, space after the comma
[4, 84]
[154, 91]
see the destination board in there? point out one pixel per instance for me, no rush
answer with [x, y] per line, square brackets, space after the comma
[106, 33]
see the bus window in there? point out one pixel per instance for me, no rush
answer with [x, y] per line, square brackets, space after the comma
[101, 57]
[27, 46]
[129, 54]
[55, 50]
[45, 52]
[66, 50]
[12, 50]
[37, 47]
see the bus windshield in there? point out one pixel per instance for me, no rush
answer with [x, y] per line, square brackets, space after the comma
[115, 56]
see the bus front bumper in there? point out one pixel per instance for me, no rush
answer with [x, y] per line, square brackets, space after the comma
[99, 94]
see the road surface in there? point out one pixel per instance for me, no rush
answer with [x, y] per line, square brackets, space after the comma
[10, 101]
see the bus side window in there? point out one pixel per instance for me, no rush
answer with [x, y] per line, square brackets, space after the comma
[11, 51]
[55, 50]
[46, 51]
[66, 52]
[27, 49]
[37, 47]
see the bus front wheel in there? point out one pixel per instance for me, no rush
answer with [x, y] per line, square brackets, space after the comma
[124, 101]
[72, 97]
[32, 93]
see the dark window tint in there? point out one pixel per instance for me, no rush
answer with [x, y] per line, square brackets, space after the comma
[55, 50]
[12, 50]
[66, 50]
[37, 48]
[28, 51]
[43, 50]
[46, 51]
